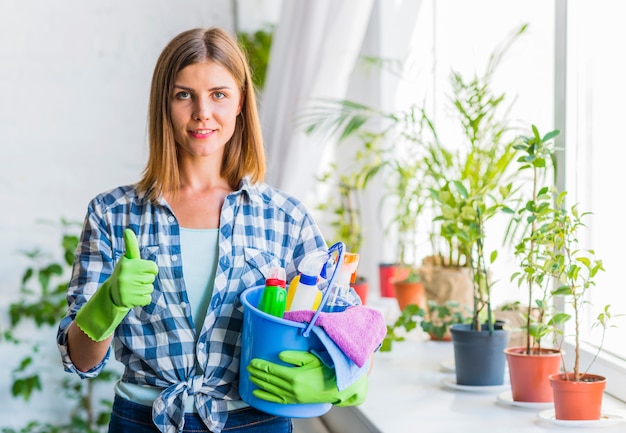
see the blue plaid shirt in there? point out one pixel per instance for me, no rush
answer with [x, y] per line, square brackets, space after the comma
[260, 228]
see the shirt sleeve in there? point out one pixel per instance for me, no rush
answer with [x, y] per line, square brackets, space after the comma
[92, 266]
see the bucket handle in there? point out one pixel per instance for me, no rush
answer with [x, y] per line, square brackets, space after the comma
[340, 247]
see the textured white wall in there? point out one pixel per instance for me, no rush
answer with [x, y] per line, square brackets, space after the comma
[74, 85]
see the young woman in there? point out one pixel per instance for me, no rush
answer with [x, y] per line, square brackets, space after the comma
[161, 263]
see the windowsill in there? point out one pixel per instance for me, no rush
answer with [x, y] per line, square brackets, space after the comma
[406, 395]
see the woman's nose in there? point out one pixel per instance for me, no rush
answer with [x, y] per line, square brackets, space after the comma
[202, 109]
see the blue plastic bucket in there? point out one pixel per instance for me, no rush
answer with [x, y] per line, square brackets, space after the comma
[265, 336]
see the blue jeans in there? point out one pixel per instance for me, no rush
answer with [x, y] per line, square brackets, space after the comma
[129, 417]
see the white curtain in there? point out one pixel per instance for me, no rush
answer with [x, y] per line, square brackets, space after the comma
[316, 44]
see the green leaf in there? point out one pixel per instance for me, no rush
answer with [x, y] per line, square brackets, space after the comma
[461, 189]
[559, 318]
[493, 256]
[562, 290]
[550, 135]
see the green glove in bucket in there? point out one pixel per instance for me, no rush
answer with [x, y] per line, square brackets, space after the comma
[129, 286]
[310, 381]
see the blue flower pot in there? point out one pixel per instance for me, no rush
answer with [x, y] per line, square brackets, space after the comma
[478, 355]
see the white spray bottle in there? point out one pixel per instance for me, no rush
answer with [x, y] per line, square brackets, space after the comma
[303, 293]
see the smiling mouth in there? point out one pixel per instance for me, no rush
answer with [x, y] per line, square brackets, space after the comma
[202, 131]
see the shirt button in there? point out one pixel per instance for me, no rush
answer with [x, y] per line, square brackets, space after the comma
[201, 346]
[160, 405]
[174, 258]
[170, 218]
[183, 305]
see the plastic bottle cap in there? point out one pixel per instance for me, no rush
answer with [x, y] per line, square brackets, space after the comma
[308, 279]
[275, 282]
[350, 257]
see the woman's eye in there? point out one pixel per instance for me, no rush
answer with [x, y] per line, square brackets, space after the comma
[219, 95]
[183, 95]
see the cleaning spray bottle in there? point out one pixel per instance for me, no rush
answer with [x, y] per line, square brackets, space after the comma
[274, 297]
[342, 294]
[303, 293]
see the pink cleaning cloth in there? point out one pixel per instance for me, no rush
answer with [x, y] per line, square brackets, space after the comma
[357, 331]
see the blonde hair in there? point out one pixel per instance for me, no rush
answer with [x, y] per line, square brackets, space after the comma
[244, 154]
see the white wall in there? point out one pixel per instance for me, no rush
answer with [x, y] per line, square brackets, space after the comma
[74, 85]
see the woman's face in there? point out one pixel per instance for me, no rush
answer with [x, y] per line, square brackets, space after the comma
[205, 103]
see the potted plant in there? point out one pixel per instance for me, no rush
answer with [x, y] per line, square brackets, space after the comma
[435, 320]
[408, 195]
[407, 320]
[480, 187]
[446, 272]
[438, 318]
[417, 167]
[478, 346]
[392, 153]
[531, 365]
[577, 393]
[482, 164]
[343, 206]
[348, 123]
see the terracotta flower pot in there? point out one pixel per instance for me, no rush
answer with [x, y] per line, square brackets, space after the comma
[409, 293]
[446, 337]
[361, 288]
[387, 273]
[577, 400]
[529, 373]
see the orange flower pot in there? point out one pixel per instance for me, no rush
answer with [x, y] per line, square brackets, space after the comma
[529, 373]
[577, 400]
[409, 293]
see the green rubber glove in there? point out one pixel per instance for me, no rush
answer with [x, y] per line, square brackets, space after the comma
[129, 286]
[310, 381]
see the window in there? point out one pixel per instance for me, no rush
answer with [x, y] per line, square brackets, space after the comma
[586, 75]
[595, 153]
[459, 35]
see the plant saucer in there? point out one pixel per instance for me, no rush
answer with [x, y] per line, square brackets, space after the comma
[448, 366]
[607, 419]
[450, 382]
[506, 397]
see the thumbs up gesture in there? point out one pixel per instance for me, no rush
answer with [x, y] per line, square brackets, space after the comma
[130, 285]
[131, 282]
